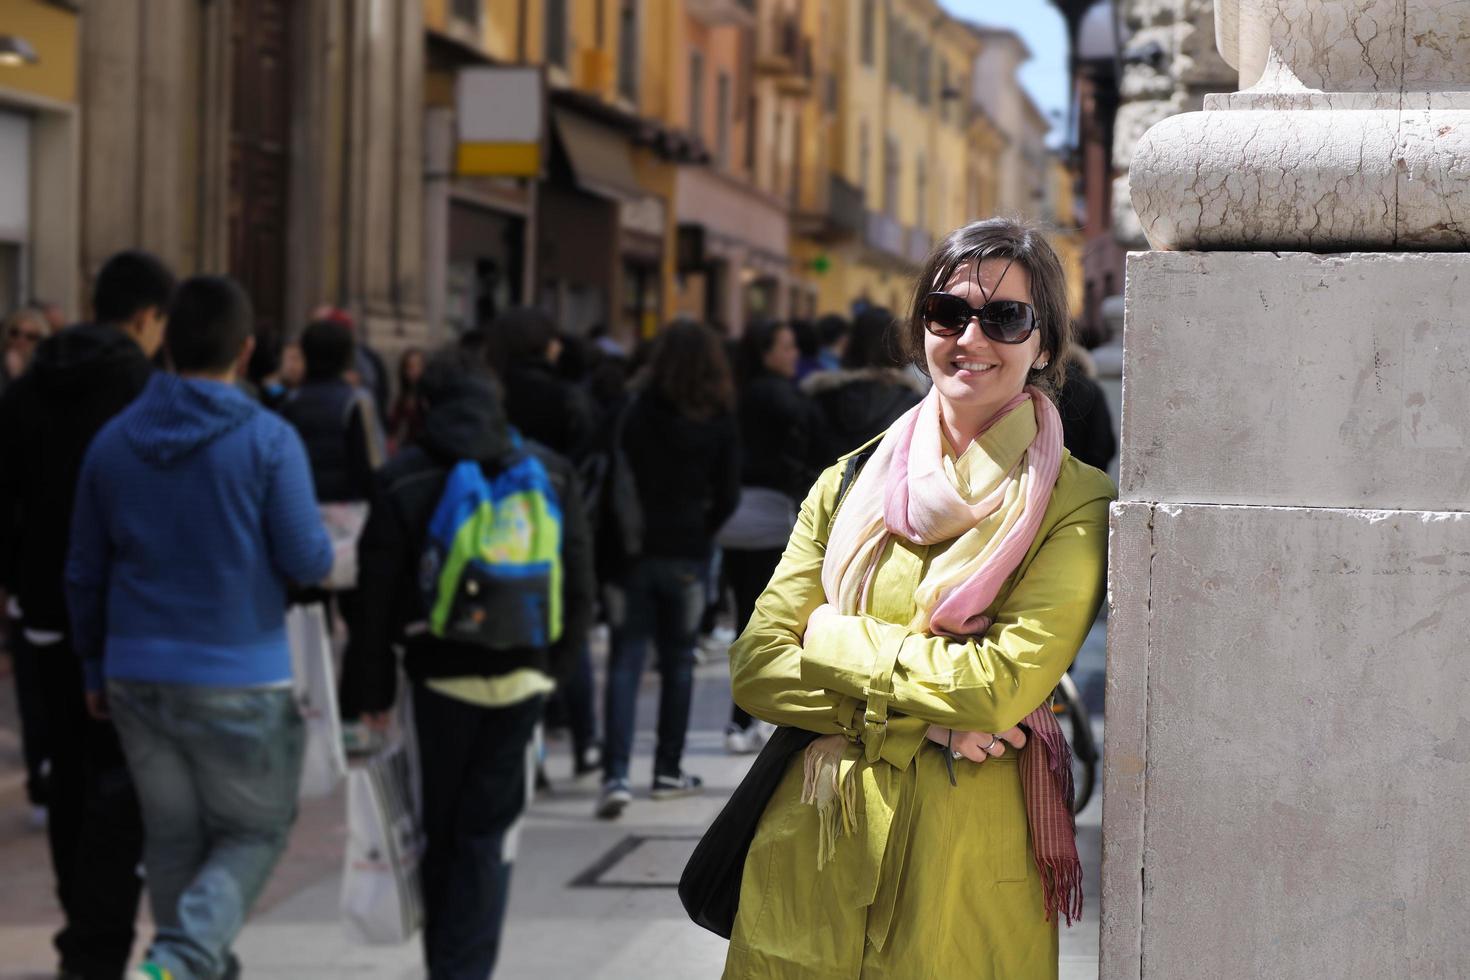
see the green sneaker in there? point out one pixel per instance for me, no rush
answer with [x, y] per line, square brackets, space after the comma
[150, 971]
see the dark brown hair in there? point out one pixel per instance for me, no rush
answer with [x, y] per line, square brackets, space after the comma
[1001, 238]
[690, 369]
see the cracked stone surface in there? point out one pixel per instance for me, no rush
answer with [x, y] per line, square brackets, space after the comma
[1353, 132]
[1347, 45]
[1310, 380]
[1286, 691]
[1318, 180]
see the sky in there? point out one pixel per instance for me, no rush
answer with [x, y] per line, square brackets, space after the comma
[1041, 26]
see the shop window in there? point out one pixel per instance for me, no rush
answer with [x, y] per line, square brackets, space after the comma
[556, 33]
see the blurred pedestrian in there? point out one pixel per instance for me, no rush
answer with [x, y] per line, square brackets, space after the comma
[869, 393]
[406, 421]
[335, 418]
[778, 463]
[834, 331]
[366, 369]
[523, 348]
[20, 334]
[478, 687]
[935, 591]
[194, 510]
[681, 442]
[289, 373]
[78, 380]
[1087, 424]
[22, 331]
[809, 348]
[339, 425]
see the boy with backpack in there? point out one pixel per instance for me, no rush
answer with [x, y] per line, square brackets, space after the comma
[476, 556]
[193, 511]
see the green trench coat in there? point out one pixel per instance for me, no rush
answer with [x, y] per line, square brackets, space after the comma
[934, 882]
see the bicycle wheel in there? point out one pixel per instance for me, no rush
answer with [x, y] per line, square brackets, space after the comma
[1072, 716]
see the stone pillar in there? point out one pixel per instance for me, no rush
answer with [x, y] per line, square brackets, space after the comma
[1288, 756]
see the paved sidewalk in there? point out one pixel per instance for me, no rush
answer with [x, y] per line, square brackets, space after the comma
[590, 899]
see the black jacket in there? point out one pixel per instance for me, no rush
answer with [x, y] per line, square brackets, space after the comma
[1087, 425]
[854, 406]
[468, 424]
[688, 475]
[548, 409]
[338, 426]
[78, 380]
[778, 437]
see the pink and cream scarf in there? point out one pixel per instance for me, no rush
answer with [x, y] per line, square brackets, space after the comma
[989, 502]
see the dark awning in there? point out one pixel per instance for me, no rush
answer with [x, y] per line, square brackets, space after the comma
[601, 157]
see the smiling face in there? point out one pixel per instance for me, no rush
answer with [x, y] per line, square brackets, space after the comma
[974, 375]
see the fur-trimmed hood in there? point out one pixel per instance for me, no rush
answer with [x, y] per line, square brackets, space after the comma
[826, 381]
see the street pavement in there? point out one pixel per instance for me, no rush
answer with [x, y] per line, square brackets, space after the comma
[590, 899]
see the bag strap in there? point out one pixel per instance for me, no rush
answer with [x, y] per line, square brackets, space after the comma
[855, 464]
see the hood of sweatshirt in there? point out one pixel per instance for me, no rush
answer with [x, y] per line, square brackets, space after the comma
[175, 416]
[81, 358]
[466, 421]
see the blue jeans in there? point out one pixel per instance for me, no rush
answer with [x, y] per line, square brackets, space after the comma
[217, 773]
[474, 768]
[664, 600]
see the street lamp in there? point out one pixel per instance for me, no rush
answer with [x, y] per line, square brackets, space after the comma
[16, 51]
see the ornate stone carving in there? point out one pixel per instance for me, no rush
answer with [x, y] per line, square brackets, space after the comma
[1352, 130]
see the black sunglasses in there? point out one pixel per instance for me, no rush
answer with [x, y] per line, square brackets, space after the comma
[1005, 321]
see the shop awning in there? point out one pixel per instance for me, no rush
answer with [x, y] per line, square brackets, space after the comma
[601, 158]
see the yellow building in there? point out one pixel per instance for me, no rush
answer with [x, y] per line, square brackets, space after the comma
[591, 235]
[903, 156]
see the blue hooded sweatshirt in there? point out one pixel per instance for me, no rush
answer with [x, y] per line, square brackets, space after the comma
[194, 510]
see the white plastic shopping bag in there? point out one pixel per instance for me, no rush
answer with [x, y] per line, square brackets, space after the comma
[382, 900]
[344, 523]
[324, 762]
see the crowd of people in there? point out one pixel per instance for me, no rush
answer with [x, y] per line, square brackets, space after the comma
[161, 508]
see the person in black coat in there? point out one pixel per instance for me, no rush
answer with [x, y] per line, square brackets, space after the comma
[680, 440]
[869, 393]
[335, 419]
[779, 460]
[78, 380]
[523, 348]
[1087, 424]
[472, 735]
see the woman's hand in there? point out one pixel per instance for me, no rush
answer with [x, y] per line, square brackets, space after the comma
[978, 746]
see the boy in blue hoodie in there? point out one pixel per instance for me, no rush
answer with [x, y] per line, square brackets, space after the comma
[194, 511]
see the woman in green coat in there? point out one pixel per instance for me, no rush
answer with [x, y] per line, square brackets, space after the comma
[927, 604]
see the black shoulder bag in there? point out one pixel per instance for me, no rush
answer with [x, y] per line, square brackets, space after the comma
[710, 885]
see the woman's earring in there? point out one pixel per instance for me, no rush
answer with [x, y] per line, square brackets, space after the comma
[1040, 365]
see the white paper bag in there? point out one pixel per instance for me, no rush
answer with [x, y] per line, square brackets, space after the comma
[382, 900]
[344, 523]
[324, 761]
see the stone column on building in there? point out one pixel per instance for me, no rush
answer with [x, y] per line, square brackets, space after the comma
[1288, 755]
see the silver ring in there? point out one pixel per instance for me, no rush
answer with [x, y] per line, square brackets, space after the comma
[993, 740]
[957, 755]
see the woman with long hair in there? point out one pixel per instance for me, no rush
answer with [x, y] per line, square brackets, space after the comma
[680, 441]
[406, 420]
[917, 625]
[777, 464]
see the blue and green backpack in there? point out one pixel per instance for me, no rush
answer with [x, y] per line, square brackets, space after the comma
[491, 572]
